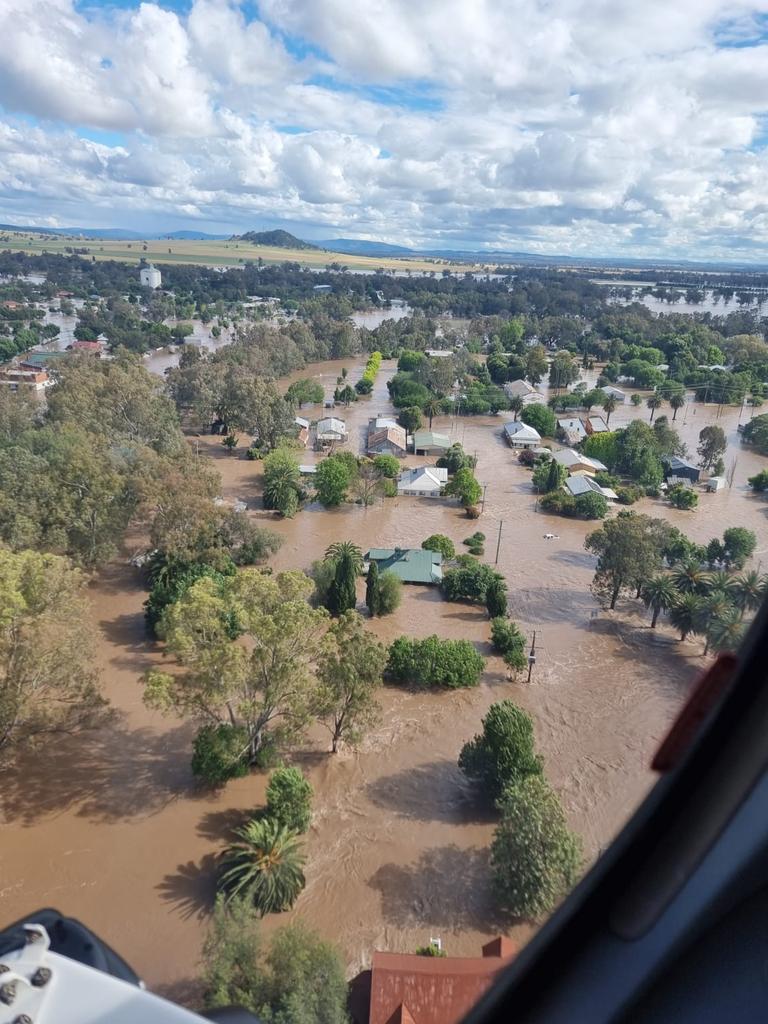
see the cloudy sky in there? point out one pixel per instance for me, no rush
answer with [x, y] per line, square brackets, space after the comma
[565, 126]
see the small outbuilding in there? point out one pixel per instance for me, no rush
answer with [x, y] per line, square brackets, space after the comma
[680, 471]
[716, 483]
[428, 442]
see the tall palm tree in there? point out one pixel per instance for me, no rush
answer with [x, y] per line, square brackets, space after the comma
[654, 402]
[722, 582]
[264, 866]
[685, 614]
[677, 401]
[609, 404]
[516, 404]
[749, 591]
[432, 408]
[345, 550]
[691, 578]
[725, 632]
[658, 593]
[715, 606]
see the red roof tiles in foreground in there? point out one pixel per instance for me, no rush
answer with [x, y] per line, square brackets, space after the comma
[411, 989]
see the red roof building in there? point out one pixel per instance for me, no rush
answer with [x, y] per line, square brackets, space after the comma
[87, 346]
[412, 989]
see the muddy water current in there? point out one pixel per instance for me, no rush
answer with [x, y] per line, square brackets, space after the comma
[109, 826]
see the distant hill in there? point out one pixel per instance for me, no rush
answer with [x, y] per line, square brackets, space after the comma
[116, 234]
[191, 236]
[364, 247]
[283, 239]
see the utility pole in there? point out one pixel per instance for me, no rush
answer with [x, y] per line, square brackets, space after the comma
[498, 542]
[532, 656]
[485, 488]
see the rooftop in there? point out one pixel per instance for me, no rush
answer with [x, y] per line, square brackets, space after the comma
[430, 439]
[569, 458]
[433, 990]
[518, 429]
[412, 565]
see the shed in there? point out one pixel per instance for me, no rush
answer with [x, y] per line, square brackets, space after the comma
[428, 442]
[716, 483]
[412, 565]
[617, 393]
[596, 425]
[677, 470]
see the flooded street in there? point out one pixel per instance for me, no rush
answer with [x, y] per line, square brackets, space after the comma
[109, 826]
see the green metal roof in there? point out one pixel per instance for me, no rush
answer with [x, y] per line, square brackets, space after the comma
[412, 565]
[430, 439]
[42, 358]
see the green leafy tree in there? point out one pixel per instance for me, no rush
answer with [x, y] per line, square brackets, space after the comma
[496, 598]
[509, 642]
[332, 480]
[305, 392]
[348, 560]
[683, 497]
[410, 418]
[289, 798]
[48, 683]
[372, 589]
[535, 858]
[504, 753]
[541, 418]
[591, 506]
[712, 446]
[282, 482]
[388, 466]
[563, 370]
[658, 594]
[759, 482]
[390, 593]
[629, 551]
[434, 662]
[350, 672]
[220, 753]
[536, 363]
[455, 459]
[264, 866]
[549, 476]
[439, 542]
[739, 544]
[465, 487]
[469, 581]
[264, 686]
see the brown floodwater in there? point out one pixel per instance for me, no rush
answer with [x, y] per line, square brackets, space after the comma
[109, 826]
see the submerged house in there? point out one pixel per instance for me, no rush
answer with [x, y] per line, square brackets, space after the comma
[329, 431]
[412, 565]
[522, 389]
[580, 484]
[410, 989]
[387, 440]
[520, 435]
[571, 430]
[425, 482]
[575, 462]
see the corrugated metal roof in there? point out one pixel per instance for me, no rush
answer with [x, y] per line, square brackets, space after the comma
[412, 565]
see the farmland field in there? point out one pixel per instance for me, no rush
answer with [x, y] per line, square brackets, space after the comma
[213, 253]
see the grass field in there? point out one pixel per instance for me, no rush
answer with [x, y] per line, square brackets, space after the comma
[213, 254]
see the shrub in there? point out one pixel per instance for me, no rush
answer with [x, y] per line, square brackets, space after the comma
[476, 538]
[365, 385]
[759, 482]
[560, 502]
[439, 542]
[434, 662]
[472, 512]
[504, 752]
[172, 579]
[389, 593]
[682, 497]
[629, 495]
[220, 753]
[476, 549]
[527, 458]
[289, 799]
[509, 642]
[431, 950]
[389, 489]
[469, 582]
[636, 399]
